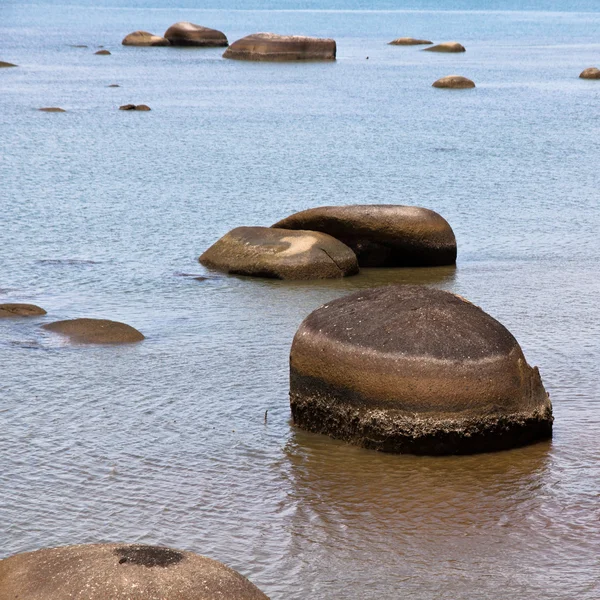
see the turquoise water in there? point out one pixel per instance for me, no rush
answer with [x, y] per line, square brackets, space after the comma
[104, 214]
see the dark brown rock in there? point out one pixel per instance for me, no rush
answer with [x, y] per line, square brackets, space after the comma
[412, 369]
[280, 254]
[114, 85]
[189, 34]
[120, 572]
[408, 41]
[590, 73]
[144, 38]
[384, 235]
[141, 107]
[78, 45]
[52, 109]
[454, 82]
[102, 53]
[274, 47]
[6, 64]
[446, 47]
[95, 331]
[20, 310]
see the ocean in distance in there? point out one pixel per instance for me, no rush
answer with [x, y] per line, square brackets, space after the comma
[104, 213]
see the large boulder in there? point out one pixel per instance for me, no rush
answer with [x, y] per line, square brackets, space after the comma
[384, 235]
[120, 572]
[408, 41]
[274, 47]
[20, 310]
[280, 254]
[454, 82]
[590, 73]
[412, 369]
[447, 47]
[189, 34]
[144, 38]
[95, 331]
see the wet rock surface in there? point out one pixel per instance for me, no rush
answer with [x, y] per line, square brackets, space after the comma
[274, 47]
[8, 310]
[95, 331]
[189, 34]
[454, 82]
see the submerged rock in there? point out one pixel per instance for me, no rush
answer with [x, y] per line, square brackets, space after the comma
[280, 254]
[20, 310]
[120, 572]
[383, 235]
[6, 64]
[455, 82]
[52, 109]
[274, 47]
[408, 41]
[446, 47]
[102, 53]
[96, 331]
[590, 73]
[412, 369]
[142, 107]
[189, 34]
[144, 38]
[113, 85]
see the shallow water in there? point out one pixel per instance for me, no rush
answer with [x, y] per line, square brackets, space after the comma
[166, 442]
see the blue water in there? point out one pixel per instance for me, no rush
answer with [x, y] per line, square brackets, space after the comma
[103, 213]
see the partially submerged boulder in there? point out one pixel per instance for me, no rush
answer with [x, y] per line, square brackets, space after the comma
[189, 34]
[274, 47]
[103, 53]
[120, 572]
[141, 107]
[20, 310]
[408, 41]
[454, 82]
[590, 73]
[384, 235]
[144, 38]
[447, 47]
[52, 109]
[280, 254]
[95, 331]
[412, 369]
[6, 64]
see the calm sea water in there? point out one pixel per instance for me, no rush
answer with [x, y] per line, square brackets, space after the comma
[103, 213]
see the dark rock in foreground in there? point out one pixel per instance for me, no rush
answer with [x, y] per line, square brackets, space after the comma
[280, 254]
[446, 47]
[454, 82]
[20, 310]
[274, 47]
[411, 369]
[120, 572]
[144, 38]
[142, 107]
[6, 64]
[95, 331]
[384, 235]
[189, 34]
[408, 41]
[591, 73]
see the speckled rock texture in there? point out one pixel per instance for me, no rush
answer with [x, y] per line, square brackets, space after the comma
[274, 47]
[447, 47]
[95, 331]
[408, 41]
[144, 38]
[454, 82]
[8, 310]
[412, 369]
[590, 73]
[120, 572]
[384, 235]
[280, 254]
[189, 34]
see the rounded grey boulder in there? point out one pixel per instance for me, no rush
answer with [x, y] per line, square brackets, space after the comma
[189, 34]
[274, 47]
[120, 572]
[412, 369]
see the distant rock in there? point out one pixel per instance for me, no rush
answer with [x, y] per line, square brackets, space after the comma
[454, 82]
[77, 45]
[102, 53]
[96, 331]
[52, 109]
[408, 41]
[189, 34]
[280, 254]
[20, 310]
[6, 64]
[274, 47]
[144, 38]
[446, 47]
[591, 73]
[114, 85]
[141, 107]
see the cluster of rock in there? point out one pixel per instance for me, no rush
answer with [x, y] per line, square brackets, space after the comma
[334, 241]
[179, 34]
[140, 107]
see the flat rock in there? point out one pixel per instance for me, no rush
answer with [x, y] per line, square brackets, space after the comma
[95, 331]
[52, 109]
[274, 47]
[280, 254]
[120, 572]
[141, 107]
[189, 34]
[6, 64]
[103, 53]
[412, 369]
[144, 38]
[408, 41]
[384, 235]
[590, 73]
[446, 47]
[454, 82]
[20, 310]
[113, 85]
